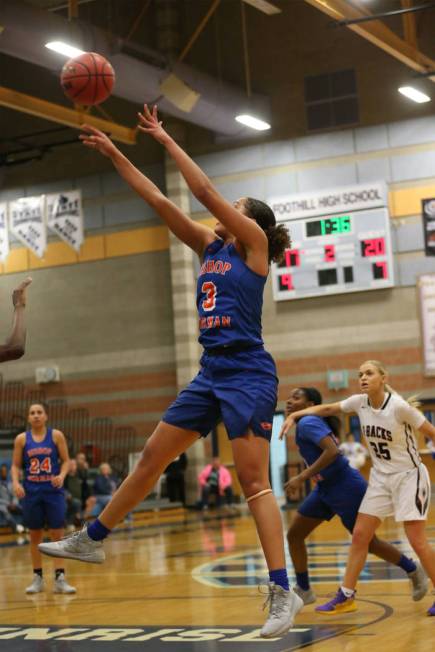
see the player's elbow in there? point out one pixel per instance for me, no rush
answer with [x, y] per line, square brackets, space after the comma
[13, 352]
[204, 192]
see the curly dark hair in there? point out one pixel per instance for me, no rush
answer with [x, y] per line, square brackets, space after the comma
[278, 235]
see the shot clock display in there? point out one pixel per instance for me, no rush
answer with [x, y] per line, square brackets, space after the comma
[347, 252]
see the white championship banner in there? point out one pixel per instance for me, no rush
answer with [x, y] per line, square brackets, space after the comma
[65, 217]
[426, 290]
[27, 223]
[4, 238]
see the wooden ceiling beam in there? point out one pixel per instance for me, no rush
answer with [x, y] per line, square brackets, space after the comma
[377, 33]
[62, 115]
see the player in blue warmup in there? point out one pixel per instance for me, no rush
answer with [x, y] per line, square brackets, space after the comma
[42, 454]
[339, 491]
[237, 379]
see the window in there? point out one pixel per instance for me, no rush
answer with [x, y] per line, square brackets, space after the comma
[331, 100]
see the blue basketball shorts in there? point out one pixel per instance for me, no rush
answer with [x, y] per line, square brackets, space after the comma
[342, 498]
[239, 389]
[44, 508]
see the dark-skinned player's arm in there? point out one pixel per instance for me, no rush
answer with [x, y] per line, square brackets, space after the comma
[329, 453]
[323, 410]
[242, 227]
[194, 235]
[14, 347]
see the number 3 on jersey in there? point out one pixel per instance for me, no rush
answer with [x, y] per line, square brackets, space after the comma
[210, 290]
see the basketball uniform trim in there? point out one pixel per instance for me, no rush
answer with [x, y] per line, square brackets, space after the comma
[410, 443]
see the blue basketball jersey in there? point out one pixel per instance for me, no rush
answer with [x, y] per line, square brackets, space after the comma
[310, 430]
[229, 299]
[41, 462]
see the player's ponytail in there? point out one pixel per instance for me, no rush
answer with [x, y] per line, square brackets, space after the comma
[277, 235]
[412, 400]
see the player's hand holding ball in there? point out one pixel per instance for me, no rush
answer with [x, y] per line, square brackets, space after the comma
[149, 123]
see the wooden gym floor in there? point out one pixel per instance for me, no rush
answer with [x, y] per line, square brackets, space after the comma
[184, 582]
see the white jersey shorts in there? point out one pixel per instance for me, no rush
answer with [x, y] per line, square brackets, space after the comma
[404, 495]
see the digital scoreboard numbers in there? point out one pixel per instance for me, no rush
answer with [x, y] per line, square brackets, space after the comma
[347, 251]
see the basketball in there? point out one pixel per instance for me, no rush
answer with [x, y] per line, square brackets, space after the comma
[87, 79]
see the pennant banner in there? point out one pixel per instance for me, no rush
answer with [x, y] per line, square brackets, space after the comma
[27, 223]
[4, 238]
[428, 206]
[65, 217]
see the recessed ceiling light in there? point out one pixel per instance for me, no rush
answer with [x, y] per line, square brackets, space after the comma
[414, 94]
[254, 123]
[64, 48]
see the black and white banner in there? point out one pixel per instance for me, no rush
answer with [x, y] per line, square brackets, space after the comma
[428, 206]
[4, 238]
[27, 223]
[65, 217]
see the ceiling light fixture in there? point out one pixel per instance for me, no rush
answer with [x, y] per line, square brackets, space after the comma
[64, 48]
[414, 94]
[253, 123]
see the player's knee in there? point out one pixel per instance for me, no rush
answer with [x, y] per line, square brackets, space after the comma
[251, 486]
[418, 543]
[294, 536]
[360, 538]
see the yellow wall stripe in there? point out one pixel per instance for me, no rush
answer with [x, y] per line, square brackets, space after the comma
[407, 201]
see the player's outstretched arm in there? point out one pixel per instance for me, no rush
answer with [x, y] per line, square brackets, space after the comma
[14, 346]
[196, 236]
[323, 410]
[243, 228]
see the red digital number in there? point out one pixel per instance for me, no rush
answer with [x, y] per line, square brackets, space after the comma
[329, 253]
[292, 258]
[381, 270]
[210, 290]
[373, 247]
[286, 282]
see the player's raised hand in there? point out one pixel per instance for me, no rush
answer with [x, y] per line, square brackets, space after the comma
[150, 124]
[96, 139]
[19, 294]
[288, 423]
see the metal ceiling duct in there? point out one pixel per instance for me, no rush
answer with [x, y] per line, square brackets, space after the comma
[25, 29]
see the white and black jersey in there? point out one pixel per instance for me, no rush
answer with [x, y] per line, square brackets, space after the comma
[388, 431]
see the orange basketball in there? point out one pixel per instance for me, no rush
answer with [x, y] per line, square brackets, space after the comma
[87, 79]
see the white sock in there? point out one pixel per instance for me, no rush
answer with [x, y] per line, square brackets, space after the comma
[349, 593]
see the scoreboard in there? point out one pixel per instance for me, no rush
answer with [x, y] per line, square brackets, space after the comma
[345, 251]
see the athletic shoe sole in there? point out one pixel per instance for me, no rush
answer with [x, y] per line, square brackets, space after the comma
[88, 558]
